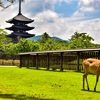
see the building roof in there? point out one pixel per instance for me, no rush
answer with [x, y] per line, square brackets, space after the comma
[11, 35]
[20, 18]
[20, 27]
[60, 51]
[23, 34]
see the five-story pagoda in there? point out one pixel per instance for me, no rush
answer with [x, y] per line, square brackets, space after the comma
[19, 26]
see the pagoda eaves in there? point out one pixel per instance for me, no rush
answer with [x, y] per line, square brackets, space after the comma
[20, 18]
[23, 34]
[13, 37]
[23, 27]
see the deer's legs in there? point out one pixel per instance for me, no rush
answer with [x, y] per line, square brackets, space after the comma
[97, 78]
[83, 82]
[85, 77]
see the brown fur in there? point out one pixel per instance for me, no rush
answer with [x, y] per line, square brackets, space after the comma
[91, 66]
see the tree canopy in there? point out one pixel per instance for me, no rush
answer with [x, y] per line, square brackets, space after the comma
[2, 4]
[81, 40]
[77, 40]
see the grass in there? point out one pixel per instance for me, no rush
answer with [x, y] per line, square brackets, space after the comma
[30, 84]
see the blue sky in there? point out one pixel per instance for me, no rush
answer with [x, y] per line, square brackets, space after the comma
[59, 18]
[67, 9]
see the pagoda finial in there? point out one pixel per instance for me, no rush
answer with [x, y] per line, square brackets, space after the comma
[19, 6]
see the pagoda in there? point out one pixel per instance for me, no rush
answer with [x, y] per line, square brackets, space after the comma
[19, 26]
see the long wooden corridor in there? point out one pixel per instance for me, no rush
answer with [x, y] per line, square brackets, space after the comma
[58, 59]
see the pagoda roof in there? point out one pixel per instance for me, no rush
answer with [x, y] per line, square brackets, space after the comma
[11, 35]
[23, 34]
[20, 27]
[20, 18]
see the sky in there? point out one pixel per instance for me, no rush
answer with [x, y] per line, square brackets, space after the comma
[61, 18]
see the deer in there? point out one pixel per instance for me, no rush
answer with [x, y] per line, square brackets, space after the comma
[91, 65]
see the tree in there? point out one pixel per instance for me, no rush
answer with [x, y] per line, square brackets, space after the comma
[81, 40]
[44, 38]
[2, 3]
[3, 41]
[84, 36]
[3, 38]
[10, 1]
[25, 45]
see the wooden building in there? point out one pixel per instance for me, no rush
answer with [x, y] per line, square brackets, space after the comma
[19, 26]
[58, 59]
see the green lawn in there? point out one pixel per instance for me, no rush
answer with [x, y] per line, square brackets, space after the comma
[29, 84]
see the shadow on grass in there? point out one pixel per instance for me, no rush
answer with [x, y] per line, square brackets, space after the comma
[90, 91]
[20, 97]
[44, 69]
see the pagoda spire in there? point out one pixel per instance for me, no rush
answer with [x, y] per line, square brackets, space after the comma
[19, 7]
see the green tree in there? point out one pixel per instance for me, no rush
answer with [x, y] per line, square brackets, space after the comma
[44, 38]
[9, 49]
[3, 39]
[25, 45]
[53, 44]
[84, 36]
[81, 40]
[2, 3]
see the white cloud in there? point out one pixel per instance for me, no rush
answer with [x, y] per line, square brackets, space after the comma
[89, 5]
[65, 27]
[37, 6]
[87, 9]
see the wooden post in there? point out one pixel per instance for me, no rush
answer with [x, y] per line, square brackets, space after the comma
[33, 61]
[28, 61]
[48, 61]
[36, 61]
[61, 61]
[98, 54]
[82, 54]
[20, 66]
[78, 60]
